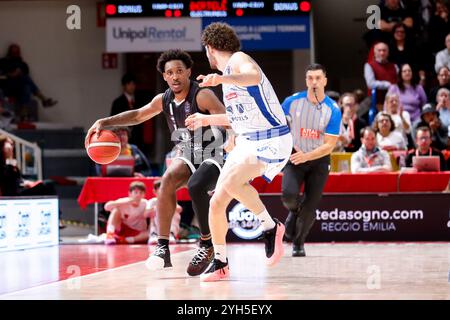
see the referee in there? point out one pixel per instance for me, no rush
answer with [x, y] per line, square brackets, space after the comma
[315, 120]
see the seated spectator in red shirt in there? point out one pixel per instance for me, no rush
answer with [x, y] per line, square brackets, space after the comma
[380, 74]
[387, 138]
[439, 133]
[351, 124]
[424, 148]
[127, 222]
[369, 158]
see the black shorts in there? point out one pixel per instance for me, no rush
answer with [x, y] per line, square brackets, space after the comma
[194, 159]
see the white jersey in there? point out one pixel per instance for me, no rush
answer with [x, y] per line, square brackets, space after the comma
[253, 108]
[134, 216]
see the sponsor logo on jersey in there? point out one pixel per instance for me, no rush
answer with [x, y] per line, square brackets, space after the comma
[231, 95]
[309, 133]
[187, 108]
[240, 108]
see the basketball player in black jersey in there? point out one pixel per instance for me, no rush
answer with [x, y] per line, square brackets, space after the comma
[199, 155]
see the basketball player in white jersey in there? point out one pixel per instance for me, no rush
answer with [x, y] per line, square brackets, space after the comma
[262, 147]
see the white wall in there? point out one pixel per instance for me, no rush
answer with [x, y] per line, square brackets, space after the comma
[65, 64]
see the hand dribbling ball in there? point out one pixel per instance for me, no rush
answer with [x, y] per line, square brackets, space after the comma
[103, 148]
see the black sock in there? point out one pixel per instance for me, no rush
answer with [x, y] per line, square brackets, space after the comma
[203, 180]
[163, 242]
[206, 243]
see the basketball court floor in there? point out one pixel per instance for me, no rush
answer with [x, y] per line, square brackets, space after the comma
[330, 271]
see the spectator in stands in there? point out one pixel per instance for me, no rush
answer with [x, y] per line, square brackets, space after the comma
[380, 74]
[127, 100]
[127, 222]
[439, 133]
[443, 106]
[443, 57]
[443, 78]
[424, 148]
[12, 182]
[142, 166]
[351, 124]
[411, 93]
[370, 158]
[439, 26]
[141, 135]
[174, 226]
[19, 86]
[387, 138]
[402, 50]
[401, 118]
[392, 13]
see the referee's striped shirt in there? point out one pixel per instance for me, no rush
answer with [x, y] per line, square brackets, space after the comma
[309, 121]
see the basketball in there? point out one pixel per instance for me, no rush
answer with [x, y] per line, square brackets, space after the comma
[104, 148]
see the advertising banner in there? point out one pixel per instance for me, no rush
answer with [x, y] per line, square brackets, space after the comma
[270, 33]
[160, 34]
[365, 217]
[153, 34]
[28, 223]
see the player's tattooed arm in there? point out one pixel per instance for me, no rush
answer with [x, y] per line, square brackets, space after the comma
[127, 118]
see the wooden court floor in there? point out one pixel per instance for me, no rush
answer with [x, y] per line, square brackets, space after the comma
[330, 271]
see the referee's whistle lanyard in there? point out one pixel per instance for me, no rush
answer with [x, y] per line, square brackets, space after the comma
[370, 159]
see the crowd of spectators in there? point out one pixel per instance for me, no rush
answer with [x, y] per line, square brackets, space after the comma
[407, 77]
[18, 90]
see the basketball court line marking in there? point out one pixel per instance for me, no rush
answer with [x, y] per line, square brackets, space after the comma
[79, 278]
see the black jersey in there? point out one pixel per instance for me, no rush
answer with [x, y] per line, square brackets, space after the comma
[193, 143]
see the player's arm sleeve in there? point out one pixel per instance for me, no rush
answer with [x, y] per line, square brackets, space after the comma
[334, 125]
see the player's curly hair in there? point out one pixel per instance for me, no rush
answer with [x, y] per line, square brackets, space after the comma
[221, 36]
[174, 54]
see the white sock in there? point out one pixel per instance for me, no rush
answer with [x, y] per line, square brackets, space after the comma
[129, 239]
[220, 252]
[266, 220]
[110, 229]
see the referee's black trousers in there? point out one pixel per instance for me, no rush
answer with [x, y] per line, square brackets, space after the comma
[302, 210]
